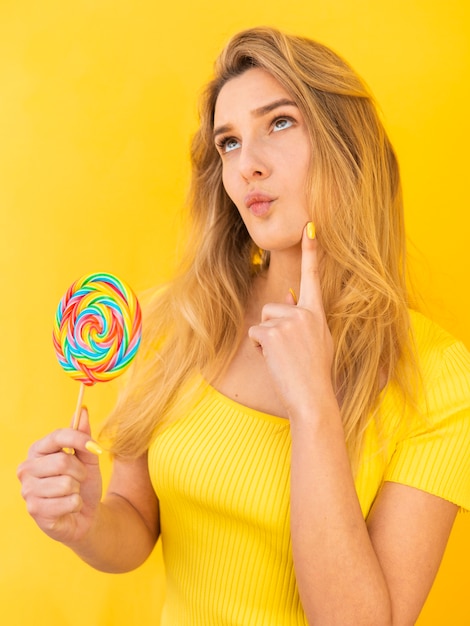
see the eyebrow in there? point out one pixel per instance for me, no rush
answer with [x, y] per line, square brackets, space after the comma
[259, 112]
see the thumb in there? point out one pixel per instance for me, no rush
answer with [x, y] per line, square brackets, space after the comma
[84, 427]
[84, 421]
[291, 297]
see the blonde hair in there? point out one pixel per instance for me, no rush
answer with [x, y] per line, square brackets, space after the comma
[194, 325]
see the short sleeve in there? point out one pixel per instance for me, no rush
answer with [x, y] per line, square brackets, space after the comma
[435, 457]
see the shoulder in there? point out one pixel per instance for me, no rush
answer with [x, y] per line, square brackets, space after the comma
[428, 438]
[430, 452]
[430, 338]
[444, 360]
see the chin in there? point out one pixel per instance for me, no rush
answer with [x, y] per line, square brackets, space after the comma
[283, 240]
[284, 245]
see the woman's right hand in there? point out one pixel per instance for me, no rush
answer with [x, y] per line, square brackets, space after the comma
[62, 490]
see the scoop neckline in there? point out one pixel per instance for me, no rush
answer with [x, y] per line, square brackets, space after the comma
[244, 408]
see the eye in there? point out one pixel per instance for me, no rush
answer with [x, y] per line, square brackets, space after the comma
[281, 123]
[227, 144]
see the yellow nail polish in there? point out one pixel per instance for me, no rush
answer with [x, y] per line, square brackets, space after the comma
[93, 447]
[311, 230]
[292, 293]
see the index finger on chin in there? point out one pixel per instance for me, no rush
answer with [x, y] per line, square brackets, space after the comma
[310, 290]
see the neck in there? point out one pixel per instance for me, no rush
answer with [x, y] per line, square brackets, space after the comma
[283, 274]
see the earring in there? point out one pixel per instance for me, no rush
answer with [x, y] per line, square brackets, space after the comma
[257, 258]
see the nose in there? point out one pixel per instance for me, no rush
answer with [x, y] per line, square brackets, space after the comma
[253, 162]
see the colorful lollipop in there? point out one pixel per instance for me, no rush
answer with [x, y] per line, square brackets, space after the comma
[97, 330]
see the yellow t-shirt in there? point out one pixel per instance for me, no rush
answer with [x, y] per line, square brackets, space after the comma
[221, 473]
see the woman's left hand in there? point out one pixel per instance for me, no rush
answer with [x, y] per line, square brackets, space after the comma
[295, 339]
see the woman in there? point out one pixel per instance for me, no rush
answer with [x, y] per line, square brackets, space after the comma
[303, 458]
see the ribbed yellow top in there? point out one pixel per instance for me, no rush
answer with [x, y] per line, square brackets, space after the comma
[222, 471]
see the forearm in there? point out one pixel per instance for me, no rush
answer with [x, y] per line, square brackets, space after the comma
[338, 574]
[119, 539]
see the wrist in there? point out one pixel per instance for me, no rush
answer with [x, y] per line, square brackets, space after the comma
[321, 406]
[87, 531]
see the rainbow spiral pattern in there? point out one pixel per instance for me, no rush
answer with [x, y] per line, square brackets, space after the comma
[97, 328]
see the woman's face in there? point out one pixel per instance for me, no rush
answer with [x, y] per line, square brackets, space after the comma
[265, 149]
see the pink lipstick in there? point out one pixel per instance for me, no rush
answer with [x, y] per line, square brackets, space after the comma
[258, 203]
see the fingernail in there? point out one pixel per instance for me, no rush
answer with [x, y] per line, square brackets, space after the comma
[311, 230]
[93, 447]
[292, 293]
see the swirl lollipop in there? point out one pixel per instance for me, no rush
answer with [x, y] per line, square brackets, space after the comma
[97, 330]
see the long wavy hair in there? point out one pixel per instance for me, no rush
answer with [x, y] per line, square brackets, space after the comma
[193, 326]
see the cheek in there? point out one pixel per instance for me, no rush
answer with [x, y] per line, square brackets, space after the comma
[228, 183]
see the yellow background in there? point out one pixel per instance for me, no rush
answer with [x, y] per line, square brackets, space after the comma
[97, 104]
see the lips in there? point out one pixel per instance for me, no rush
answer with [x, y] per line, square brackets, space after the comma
[258, 203]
